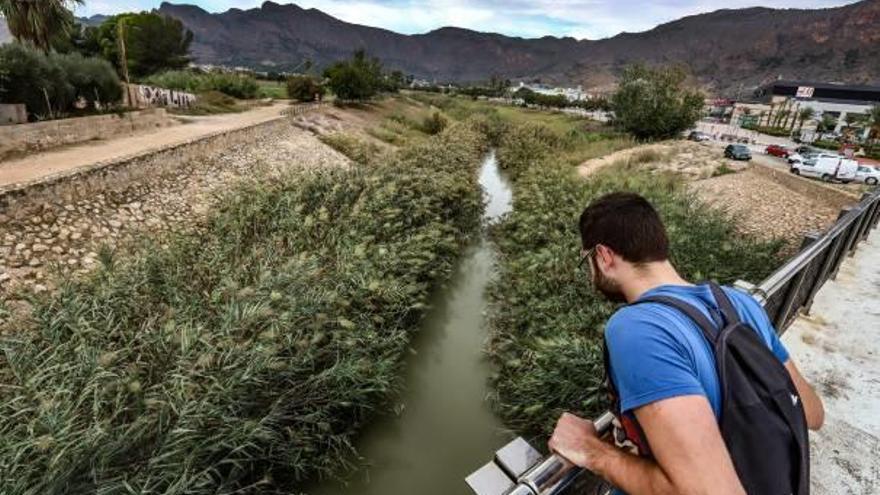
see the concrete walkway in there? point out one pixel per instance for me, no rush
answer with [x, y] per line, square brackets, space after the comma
[37, 165]
[837, 348]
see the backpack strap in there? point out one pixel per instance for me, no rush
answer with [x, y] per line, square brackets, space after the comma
[709, 330]
[731, 317]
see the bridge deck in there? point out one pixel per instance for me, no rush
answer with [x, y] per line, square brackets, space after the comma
[837, 347]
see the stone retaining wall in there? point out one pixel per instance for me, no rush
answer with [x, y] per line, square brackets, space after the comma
[37, 136]
[62, 223]
[830, 196]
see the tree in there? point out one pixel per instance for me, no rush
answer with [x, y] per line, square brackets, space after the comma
[303, 88]
[357, 79]
[152, 42]
[827, 123]
[38, 22]
[51, 85]
[874, 116]
[804, 115]
[653, 103]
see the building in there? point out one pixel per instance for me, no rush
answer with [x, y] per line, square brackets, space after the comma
[848, 104]
[570, 94]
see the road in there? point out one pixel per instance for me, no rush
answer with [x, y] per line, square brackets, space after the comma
[43, 164]
[837, 347]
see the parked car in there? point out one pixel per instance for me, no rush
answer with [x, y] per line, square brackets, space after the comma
[828, 169]
[738, 152]
[810, 155]
[698, 136]
[868, 175]
[777, 150]
[728, 137]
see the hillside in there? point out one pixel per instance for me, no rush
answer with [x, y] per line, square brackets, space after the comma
[729, 51]
[725, 49]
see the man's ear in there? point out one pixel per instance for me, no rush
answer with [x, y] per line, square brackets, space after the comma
[604, 255]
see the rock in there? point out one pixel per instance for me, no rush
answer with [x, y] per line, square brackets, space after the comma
[40, 248]
[34, 262]
[20, 246]
[40, 288]
[5, 277]
[75, 236]
[115, 224]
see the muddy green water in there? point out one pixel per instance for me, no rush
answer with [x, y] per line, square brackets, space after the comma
[445, 429]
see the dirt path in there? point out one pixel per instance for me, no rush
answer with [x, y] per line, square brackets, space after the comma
[837, 348]
[48, 163]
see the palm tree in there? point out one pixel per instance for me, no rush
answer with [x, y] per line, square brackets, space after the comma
[804, 115]
[37, 22]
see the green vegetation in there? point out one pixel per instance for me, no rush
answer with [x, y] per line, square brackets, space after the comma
[241, 86]
[153, 43]
[358, 150]
[246, 356]
[360, 78]
[546, 322]
[38, 23]
[722, 169]
[826, 144]
[653, 103]
[51, 85]
[304, 88]
[276, 90]
[212, 102]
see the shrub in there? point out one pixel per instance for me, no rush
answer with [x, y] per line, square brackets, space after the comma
[357, 79]
[52, 84]
[247, 355]
[827, 145]
[241, 86]
[654, 103]
[434, 124]
[546, 323]
[303, 88]
[770, 131]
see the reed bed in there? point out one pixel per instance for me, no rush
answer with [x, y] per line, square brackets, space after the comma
[546, 322]
[246, 357]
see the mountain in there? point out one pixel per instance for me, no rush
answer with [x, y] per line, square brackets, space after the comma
[727, 50]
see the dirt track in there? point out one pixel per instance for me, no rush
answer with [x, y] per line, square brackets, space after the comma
[47, 163]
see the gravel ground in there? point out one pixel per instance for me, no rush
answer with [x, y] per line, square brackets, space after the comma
[68, 235]
[765, 208]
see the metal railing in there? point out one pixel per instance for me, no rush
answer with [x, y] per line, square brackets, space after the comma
[518, 469]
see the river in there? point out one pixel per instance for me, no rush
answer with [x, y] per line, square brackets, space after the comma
[445, 429]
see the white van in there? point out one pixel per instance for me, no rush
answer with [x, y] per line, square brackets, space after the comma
[828, 168]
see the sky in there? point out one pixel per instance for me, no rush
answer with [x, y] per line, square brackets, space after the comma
[591, 19]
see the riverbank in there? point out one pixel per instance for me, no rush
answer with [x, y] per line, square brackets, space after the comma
[246, 355]
[546, 322]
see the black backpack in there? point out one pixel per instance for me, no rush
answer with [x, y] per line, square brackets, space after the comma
[762, 419]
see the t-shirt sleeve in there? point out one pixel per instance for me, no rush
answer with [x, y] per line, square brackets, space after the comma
[647, 364]
[756, 315]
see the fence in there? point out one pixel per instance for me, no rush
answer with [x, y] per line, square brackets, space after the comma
[518, 469]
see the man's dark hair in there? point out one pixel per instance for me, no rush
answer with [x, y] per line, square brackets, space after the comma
[626, 223]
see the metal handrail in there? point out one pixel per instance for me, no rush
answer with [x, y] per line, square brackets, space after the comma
[553, 474]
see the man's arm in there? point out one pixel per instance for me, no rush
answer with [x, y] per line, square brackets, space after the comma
[689, 454]
[813, 408]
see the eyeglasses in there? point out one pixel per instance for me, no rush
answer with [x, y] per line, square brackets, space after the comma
[584, 258]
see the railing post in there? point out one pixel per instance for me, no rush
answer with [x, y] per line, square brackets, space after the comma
[847, 244]
[868, 213]
[794, 286]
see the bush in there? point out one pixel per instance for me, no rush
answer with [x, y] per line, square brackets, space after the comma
[304, 88]
[546, 323]
[52, 84]
[654, 103]
[770, 131]
[357, 79]
[241, 86]
[250, 354]
[434, 124]
[827, 145]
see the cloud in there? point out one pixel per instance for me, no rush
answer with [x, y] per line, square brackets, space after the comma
[590, 19]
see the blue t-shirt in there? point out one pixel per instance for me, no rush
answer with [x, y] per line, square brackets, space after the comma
[657, 352]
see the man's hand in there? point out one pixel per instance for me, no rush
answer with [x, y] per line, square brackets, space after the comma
[576, 440]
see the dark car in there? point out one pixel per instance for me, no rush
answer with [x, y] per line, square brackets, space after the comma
[738, 152]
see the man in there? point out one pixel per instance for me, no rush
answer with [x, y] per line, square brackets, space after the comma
[660, 364]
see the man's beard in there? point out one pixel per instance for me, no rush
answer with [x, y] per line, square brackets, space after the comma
[609, 288]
